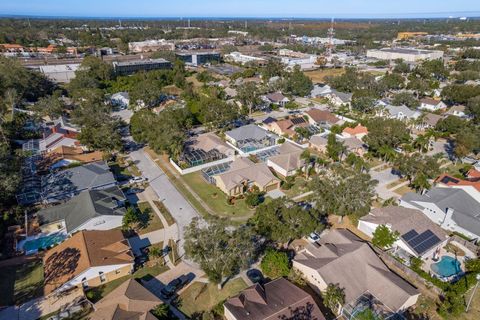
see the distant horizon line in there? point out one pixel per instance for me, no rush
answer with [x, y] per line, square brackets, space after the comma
[386, 16]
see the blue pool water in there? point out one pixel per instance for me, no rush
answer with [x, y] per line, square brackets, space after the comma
[447, 266]
[44, 242]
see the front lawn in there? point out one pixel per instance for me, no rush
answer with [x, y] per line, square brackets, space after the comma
[298, 188]
[204, 296]
[402, 190]
[97, 293]
[215, 198]
[19, 284]
[149, 218]
[165, 212]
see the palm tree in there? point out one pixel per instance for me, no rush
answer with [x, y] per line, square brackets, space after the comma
[422, 142]
[334, 297]
[309, 161]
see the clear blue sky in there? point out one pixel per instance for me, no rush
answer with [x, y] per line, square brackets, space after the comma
[242, 8]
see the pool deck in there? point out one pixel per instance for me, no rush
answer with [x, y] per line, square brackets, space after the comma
[427, 265]
[21, 244]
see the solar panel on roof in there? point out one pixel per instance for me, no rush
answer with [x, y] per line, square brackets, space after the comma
[447, 179]
[298, 120]
[423, 241]
[410, 235]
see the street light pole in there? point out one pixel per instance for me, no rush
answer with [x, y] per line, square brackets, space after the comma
[473, 293]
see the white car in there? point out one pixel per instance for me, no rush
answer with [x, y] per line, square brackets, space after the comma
[313, 237]
[137, 180]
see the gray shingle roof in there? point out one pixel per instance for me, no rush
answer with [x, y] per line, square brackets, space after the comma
[65, 183]
[83, 207]
[250, 131]
[466, 209]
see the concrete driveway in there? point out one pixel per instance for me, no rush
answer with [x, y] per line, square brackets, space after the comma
[384, 178]
[178, 206]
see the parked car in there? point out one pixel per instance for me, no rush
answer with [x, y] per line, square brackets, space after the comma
[137, 180]
[133, 191]
[176, 284]
[313, 237]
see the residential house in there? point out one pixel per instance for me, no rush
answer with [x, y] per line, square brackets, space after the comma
[432, 104]
[473, 179]
[430, 120]
[322, 118]
[357, 132]
[288, 161]
[59, 133]
[230, 92]
[453, 208]
[243, 175]
[130, 301]
[286, 127]
[419, 236]
[320, 91]
[277, 98]
[64, 156]
[277, 299]
[354, 145]
[338, 98]
[250, 138]
[457, 111]
[398, 112]
[120, 99]
[319, 143]
[206, 148]
[87, 259]
[90, 210]
[65, 184]
[341, 258]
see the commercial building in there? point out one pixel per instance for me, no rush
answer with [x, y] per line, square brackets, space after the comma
[407, 54]
[60, 73]
[151, 45]
[129, 67]
[198, 58]
[244, 59]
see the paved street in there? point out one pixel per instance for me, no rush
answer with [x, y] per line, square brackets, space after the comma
[178, 206]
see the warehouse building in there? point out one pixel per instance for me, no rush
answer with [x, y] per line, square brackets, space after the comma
[407, 54]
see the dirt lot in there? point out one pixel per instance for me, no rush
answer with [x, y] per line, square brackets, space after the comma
[319, 75]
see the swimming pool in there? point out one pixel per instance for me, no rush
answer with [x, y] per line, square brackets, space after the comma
[33, 245]
[447, 266]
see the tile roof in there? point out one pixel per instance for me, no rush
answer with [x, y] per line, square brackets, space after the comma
[130, 301]
[84, 207]
[359, 129]
[341, 257]
[85, 249]
[277, 299]
[452, 181]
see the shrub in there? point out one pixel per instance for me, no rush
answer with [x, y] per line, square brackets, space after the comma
[275, 264]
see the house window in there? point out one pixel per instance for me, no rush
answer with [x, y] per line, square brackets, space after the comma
[84, 283]
[103, 278]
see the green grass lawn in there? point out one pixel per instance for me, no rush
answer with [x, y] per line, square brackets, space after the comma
[146, 273]
[202, 296]
[215, 198]
[402, 190]
[298, 188]
[153, 223]
[165, 212]
[19, 284]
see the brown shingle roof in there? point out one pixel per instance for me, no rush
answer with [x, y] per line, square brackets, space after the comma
[277, 299]
[129, 301]
[343, 258]
[84, 250]
[322, 116]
